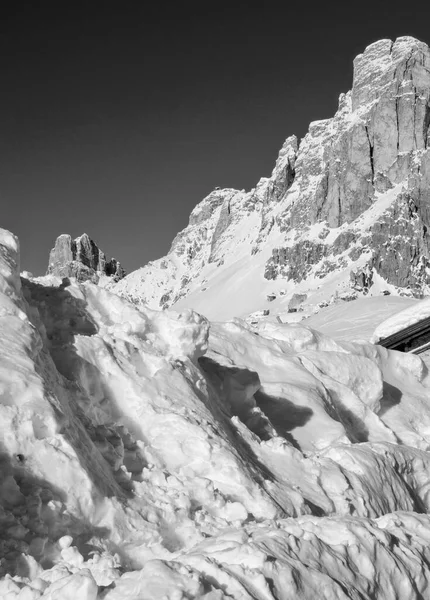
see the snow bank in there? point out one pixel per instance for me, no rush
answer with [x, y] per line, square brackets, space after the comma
[154, 454]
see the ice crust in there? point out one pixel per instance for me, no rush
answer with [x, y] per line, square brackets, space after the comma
[149, 455]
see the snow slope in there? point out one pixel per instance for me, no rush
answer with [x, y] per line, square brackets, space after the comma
[155, 455]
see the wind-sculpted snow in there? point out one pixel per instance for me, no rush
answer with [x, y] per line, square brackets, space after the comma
[156, 455]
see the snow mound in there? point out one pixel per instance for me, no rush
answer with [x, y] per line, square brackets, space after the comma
[355, 320]
[403, 319]
[149, 454]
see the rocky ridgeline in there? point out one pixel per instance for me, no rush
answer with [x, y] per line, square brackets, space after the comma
[354, 194]
[82, 259]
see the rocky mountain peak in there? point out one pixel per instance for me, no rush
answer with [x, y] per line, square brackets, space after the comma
[384, 62]
[353, 196]
[81, 258]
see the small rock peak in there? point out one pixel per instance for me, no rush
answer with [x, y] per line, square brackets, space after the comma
[378, 48]
[290, 142]
[207, 207]
[344, 101]
[65, 236]
[289, 149]
[84, 238]
[398, 49]
[403, 46]
[284, 171]
[385, 61]
[63, 250]
[219, 191]
[81, 258]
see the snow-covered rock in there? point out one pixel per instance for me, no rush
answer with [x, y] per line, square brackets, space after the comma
[353, 196]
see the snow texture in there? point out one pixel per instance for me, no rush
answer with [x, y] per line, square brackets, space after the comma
[149, 455]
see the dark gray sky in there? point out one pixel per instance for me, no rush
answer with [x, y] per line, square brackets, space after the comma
[116, 119]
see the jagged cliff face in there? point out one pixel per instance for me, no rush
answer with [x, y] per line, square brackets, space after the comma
[82, 259]
[354, 196]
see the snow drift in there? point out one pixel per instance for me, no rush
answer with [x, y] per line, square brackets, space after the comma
[156, 455]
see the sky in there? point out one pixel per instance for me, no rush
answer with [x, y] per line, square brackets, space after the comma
[117, 118]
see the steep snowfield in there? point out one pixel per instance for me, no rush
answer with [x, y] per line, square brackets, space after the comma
[149, 455]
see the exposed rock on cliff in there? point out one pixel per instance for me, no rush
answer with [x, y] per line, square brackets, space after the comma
[81, 258]
[361, 279]
[354, 194]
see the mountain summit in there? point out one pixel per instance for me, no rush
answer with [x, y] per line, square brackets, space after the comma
[347, 207]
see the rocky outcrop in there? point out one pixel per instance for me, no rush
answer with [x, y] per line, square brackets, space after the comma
[294, 262]
[401, 246]
[361, 279]
[353, 194]
[82, 259]
[296, 301]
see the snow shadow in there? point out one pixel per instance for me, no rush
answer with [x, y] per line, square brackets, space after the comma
[33, 518]
[355, 428]
[64, 317]
[284, 415]
[222, 410]
[101, 449]
[233, 392]
[264, 415]
[391, 397]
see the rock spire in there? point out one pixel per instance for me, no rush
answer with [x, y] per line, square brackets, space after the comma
[81, 258]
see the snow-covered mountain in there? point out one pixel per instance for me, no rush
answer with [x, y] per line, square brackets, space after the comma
[149, 455]
[345, 212]
[152, 454]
